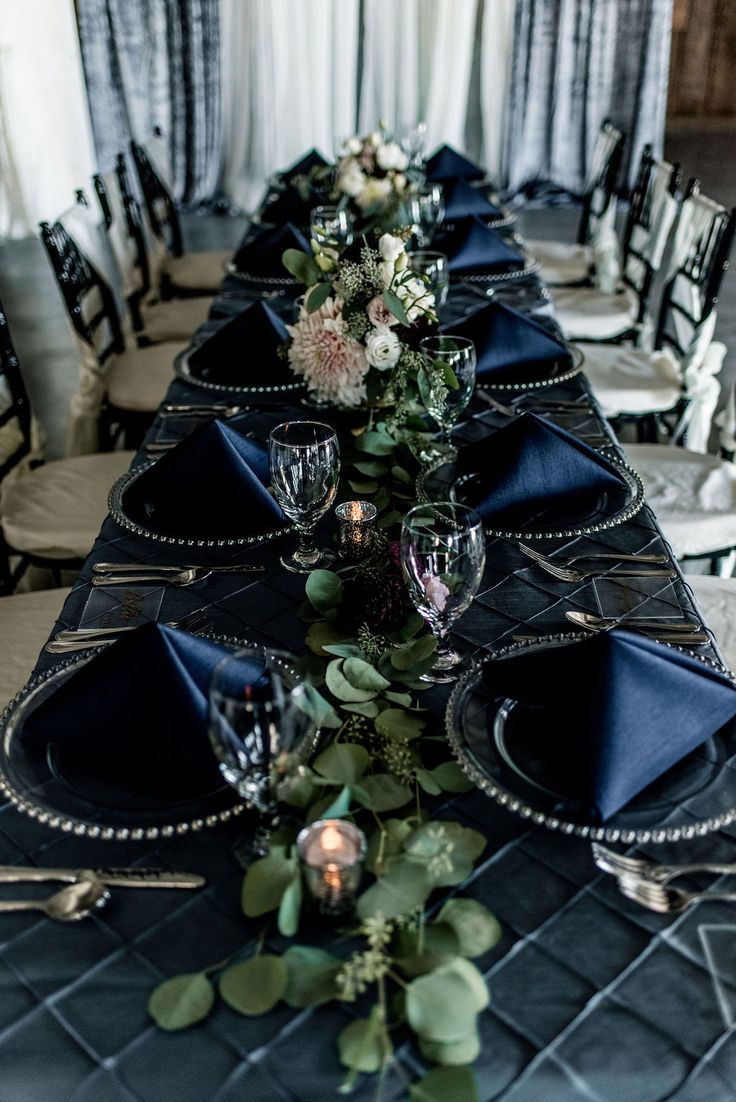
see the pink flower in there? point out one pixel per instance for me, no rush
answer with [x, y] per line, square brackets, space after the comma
[435, 590]
[333, 364]
[379, 314]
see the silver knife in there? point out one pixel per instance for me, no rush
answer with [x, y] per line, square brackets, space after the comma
[155, 568]
[120, 878]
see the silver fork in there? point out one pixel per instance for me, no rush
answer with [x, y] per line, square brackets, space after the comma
[185, 576]
[84, 638]
[636, 867]
[656, 897]
[565, 574]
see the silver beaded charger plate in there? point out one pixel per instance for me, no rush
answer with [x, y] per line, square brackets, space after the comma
[504, 748]
[441, 482]
[67, 793]
[184, 371]
[118, 510]
[529, 267]
[267, 283]
[538, 376]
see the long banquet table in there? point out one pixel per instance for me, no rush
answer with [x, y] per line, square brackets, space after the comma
[594, 999]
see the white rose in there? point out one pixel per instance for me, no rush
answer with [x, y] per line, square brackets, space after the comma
[400, 182]
[387, 273]
[374, 139]
[351, 180]
[382, 348]
[414, 291]
[390, 155]
[354, 146]
[390, 247]
[374, 191]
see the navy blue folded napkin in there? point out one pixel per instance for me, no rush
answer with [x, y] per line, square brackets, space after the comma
[507, 342]
[531, 464]
[631, 708]
[464, 201]
[291, 206]
[139, 710]
[212, 485]
[312, 159]
[447, 164]
[244, 351]
[261, 256]
[473, 247]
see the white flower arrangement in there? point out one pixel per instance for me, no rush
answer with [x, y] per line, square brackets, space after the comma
[356, 324]
[372, 171]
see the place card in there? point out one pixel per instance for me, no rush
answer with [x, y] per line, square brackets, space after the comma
[644, 598]
[122, 606]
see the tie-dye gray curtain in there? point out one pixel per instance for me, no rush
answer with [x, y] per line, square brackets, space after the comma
[576, 63]
[156, 63]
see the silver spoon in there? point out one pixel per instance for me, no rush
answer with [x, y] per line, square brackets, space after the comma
[69, 904]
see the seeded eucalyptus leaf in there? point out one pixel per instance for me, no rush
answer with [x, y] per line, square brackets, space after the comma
[394, 304]
[385, 843]
[381, 792]
[181, 1001]
[369, 708]
[319, 710]
[362, 675]
[323, 589]
[449, 378]
[375, 443]
[450, 777]
[441, 1006]
[414, 652]
[344, 650]
[413, 624]
[331, 807]
[419, 954]
[321, 634]
[424, 386]
[373, 468]
[339, 685]
[301, 266]
[342, 762]
[361, 1044]
[317, 296]
[363, 486]
[297, 791]
[398, 723]
[445, 1084]
[265, 882]
[402, 476]
[405, 886]
[290, 907]
[254, 986]
[307, 612]
[311, 976]
[404, 699]
[476, 929]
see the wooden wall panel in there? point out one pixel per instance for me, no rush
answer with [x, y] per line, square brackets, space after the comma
[703, 60]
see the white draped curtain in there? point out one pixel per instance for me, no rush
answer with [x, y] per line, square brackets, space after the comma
[299, 73]
[46, 148]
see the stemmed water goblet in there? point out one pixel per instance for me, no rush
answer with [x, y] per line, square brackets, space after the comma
[258, 723]
[425, 210]
[442, 558]
[447, 386]
[412, 139]
[304, 461]
[332, 228]
[434, 270]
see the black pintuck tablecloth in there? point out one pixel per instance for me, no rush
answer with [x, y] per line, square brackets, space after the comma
[594, 999]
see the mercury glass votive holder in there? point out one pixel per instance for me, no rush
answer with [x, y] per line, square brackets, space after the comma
[331, 853]
[356, 529]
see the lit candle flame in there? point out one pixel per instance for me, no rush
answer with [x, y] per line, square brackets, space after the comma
[331, 838]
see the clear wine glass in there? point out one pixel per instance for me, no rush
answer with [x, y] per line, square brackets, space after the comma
[304, 460]
[332, 228]
[442, 557]
[258, 723]
[449, 364]
[433, 268]
[426, 209]
[412, 139]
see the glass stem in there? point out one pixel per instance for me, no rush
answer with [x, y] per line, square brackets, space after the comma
[306, 546]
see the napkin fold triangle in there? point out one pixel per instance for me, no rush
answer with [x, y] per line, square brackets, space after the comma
[212, 485]
[447, 164]
[261, 256]
[632, 709]
[244, 351]
[473, 247]
[505, 340]
[464, 201]
[311, 159]
[138, 711]
[291, 206]
[531, 464]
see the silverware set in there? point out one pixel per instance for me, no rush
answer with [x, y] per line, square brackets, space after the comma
[597, 439]
[112, 573]
[648, 883]
[70, 640]
[566, 573]
[87, 889]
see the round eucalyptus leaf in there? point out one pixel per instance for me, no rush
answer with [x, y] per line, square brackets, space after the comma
[265, 883]
[255, 986]
[462, 969]
[362, 675]
[404, 887]
[339, 685]
[445, 1085]
[323, 589]
[361, 1045]
[386, 842]
[342, 762]
[450, 777]
[312, 975]
[381, 792]
[477, 930]
[398, 723]
[441, 1006]
[419, 954]
[453, 1052]
[181, 1001]
[290, 907]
